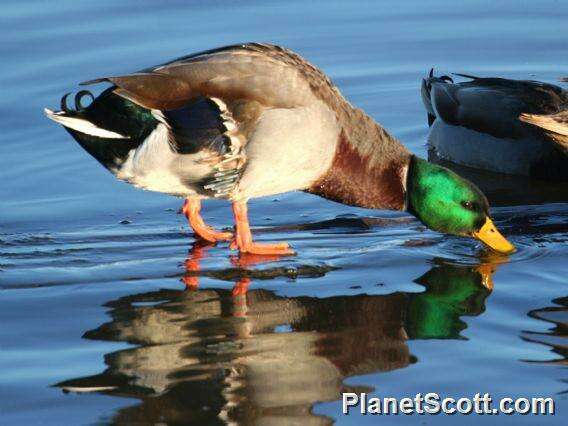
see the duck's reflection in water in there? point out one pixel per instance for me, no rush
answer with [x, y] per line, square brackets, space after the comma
[213, 355]
[557, 337]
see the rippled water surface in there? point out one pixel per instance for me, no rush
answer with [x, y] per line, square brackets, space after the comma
[110, 312]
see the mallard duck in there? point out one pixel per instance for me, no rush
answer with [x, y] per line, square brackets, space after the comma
[253, 120]
[508, 126]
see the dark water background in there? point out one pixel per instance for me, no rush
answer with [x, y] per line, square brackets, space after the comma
[98, 286]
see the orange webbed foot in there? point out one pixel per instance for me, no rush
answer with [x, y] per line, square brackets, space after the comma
[243, 237]
[209, 234]
[270, 249]
[191, 209]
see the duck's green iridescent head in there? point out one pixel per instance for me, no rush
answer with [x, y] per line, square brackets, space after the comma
[448, 203]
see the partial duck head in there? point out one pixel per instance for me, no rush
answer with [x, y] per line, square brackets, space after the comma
[108, 128]
[448, 203]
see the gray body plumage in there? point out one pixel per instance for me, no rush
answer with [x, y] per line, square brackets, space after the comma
[485, 123]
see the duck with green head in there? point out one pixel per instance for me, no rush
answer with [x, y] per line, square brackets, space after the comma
[254, 120]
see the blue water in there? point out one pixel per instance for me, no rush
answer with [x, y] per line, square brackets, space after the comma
[110, 313]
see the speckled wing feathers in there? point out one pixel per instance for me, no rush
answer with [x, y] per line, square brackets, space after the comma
[555, 124]
[264, 73]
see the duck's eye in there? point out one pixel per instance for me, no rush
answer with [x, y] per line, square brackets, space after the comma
[470, 205]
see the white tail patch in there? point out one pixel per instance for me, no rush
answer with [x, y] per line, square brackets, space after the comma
[82, 126]
[78, 389]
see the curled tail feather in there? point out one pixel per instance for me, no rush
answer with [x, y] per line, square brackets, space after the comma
[75, 119]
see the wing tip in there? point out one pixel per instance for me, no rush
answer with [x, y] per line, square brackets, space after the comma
[472, 77]
[95, 81]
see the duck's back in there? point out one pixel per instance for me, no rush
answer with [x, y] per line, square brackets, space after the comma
[479, 123]
[269, 74]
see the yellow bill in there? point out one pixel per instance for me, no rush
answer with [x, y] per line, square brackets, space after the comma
[491, 237]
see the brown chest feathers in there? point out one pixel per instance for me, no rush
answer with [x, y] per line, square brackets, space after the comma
[363, 180]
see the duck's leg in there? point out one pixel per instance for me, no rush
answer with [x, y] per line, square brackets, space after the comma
[240, 307]
[192, 268]
[243, 237]
[191, 209]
